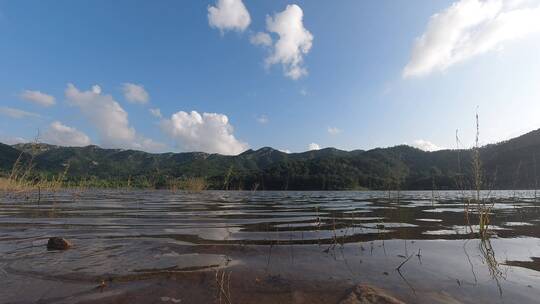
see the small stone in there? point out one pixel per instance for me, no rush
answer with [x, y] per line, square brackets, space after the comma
[365, 294]
[58, 243]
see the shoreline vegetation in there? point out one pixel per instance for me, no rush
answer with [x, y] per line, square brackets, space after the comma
[508, 165]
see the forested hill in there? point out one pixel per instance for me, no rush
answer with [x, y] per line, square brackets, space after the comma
[507, 165]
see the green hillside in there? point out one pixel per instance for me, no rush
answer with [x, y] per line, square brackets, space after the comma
[507, 165]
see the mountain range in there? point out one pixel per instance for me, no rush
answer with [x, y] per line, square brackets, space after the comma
[506, 165]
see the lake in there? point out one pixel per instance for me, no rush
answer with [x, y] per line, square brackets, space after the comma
[266, 247]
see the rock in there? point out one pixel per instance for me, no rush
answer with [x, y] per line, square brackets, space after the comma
[365, 294]
[58, 243]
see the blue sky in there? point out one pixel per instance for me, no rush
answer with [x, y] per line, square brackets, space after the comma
[345, 74]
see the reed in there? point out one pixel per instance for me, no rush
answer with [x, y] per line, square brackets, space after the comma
[476, 204]
[484, 205]
[192, 184]
[22, 177]
[35, 183]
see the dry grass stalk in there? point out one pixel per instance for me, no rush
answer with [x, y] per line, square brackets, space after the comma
[23, 179]
[223, 284]
[192, 184]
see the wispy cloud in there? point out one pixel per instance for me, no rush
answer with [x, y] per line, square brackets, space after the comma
[156, 112]
[263, 119]
[38, 98]
[16, 113]
[468, 28]
[12, 140]
[261, 38]
[135, 93]
[62, 135]
[334, 130]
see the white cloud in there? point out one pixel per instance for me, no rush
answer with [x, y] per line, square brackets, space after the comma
[62, 135]
[262, 119]
[334, 130]
[209, 132]
[16, 113]
[109, 118]
[294, 41]
[425, 145]
[96, 89]
[12, 140]
[229, 15]
[468, 28]
[148, 144]
[135, 93]
[313, 146]
[285, 151]
[38, 97]
[261, 38]
[156, 112]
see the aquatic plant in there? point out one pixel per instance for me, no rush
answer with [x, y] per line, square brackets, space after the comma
[484, 205]
[475, 204]
[489, 258]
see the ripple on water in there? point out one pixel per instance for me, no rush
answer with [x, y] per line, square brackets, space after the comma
[151, 233]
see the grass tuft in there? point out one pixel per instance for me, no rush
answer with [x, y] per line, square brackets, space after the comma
[192, 184]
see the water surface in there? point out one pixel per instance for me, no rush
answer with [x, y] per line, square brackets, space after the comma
[301, 247]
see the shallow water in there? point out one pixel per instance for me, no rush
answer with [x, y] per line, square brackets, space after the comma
[159, 247]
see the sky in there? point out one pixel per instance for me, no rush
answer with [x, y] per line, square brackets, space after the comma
[223, 76]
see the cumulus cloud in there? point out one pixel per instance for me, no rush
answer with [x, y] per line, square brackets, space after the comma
[16, 113]
[468, 28]
[285, 151]
[334, 130]
[109, 118]
[262, 119]
[425, 145]
[62, 135]
[209, 132]
[38, 97]
[293, 43]
[135, 93]
[156, 112]
[229, 15]
[261, 38]
[313, 146]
